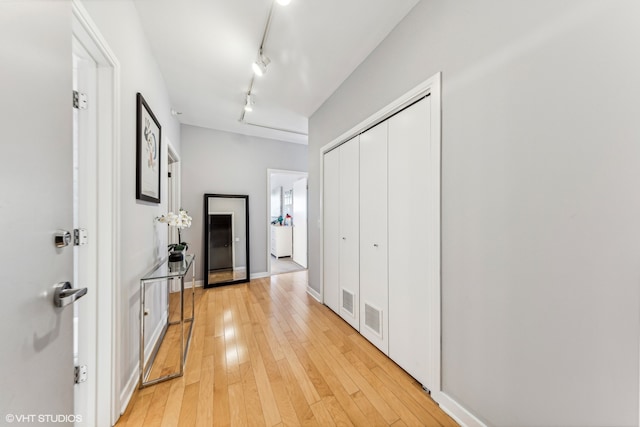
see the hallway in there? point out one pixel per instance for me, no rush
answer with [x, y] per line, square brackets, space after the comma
[267, 353]
[284, 265]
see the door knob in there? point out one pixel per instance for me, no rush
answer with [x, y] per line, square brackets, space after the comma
[65, 294]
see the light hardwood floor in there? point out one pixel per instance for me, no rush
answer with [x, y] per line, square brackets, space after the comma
[267, 353]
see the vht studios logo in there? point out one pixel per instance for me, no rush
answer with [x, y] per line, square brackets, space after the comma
[42, 418]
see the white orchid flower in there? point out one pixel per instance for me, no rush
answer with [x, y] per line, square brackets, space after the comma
[180, 220]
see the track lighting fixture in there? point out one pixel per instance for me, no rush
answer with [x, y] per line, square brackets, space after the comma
[260, 65]
[259, 69]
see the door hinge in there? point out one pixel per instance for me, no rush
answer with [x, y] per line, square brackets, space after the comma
[79, 237]
[169, 174]
[80, 374]
[79, 100]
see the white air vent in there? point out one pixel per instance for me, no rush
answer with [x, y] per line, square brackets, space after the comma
[347, 301]
[373, 319]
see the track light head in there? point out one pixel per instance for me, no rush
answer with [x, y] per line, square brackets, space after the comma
[248, 106]
[260, 65]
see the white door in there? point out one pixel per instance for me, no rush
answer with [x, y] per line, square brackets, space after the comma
[331, 230]
[349, 232]
[300, 222]
[36, 200]
[409, 186]
[374, 287]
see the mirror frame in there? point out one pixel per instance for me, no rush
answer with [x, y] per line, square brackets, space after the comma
[205, 262]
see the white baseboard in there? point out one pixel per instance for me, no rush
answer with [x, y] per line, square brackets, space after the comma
[187, 285]
[260, 275]
[132, 382]
[457, 411]
[148, 349]
[129, 388]
[314, 294]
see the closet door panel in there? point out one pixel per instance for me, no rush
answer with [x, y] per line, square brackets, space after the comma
[409, 144]
[374, 318]
[331, 230]
[349, 231]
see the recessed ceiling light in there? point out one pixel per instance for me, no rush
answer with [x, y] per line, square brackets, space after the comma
[283, 2]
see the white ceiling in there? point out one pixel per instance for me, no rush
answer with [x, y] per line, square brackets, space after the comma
[205, 49]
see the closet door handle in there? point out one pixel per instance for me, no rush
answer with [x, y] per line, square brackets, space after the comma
[375, 245]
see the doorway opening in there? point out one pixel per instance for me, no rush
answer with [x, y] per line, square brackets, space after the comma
[173, 199]
[173, 188]
[287, 245]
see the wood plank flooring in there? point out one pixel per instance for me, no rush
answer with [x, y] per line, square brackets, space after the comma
[265, 353]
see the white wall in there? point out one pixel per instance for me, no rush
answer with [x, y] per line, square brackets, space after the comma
[276, 202]
[142, 241]
[284, 182]
[227, 163]
[540, 200]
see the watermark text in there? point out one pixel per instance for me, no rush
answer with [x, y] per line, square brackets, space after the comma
[42, 418]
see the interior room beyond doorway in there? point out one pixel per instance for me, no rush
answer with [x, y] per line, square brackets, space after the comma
[287, 221]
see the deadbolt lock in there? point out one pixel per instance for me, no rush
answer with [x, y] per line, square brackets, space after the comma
[62, 238]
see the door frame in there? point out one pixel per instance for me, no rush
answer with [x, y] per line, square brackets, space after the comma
[173, 190]
[270, 172]
[432, 88]
[108, 220]
[85, 131]
[306, 223]
[174, 198]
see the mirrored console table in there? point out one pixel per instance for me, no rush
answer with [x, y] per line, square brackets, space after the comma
[165, 273]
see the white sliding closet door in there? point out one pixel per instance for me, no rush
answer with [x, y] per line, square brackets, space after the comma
[331, 230]
[349, 231]
[374, 284]
[409, 154]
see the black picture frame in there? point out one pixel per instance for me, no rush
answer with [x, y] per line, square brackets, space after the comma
[148, 152]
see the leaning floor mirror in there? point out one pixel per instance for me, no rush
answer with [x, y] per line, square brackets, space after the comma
[226, 239]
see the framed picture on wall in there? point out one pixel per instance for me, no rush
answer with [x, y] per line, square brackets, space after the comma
[148, 138]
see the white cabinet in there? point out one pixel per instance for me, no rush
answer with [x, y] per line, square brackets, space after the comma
[341, 231]
[374, 285]
[281, 239]
[409, 189]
